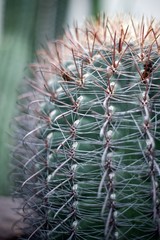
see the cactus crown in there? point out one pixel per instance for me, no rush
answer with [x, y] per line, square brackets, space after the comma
[91, 164]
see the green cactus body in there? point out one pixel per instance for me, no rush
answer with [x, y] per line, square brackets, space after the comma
[93, 171]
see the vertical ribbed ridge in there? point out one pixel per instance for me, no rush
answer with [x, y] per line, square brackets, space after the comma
[130, 167]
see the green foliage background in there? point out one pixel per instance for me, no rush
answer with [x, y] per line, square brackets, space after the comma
[27, 26]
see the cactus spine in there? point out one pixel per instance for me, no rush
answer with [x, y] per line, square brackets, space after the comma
[91, 167]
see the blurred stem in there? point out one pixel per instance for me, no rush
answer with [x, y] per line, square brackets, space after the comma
[61, 12]
[1, 19]
[95, 7]
[50, 19]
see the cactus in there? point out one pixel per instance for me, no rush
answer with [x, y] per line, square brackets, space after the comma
[89, 147]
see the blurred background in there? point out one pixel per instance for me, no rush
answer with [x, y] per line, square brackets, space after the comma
[25, 26]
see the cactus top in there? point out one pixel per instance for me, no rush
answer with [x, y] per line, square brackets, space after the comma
[117, 35]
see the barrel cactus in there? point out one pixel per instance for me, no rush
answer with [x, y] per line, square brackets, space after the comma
[88, 158]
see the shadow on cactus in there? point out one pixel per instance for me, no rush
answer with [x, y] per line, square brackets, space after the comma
[88, 159]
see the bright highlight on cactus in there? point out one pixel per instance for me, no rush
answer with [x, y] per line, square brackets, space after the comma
[89, 160]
